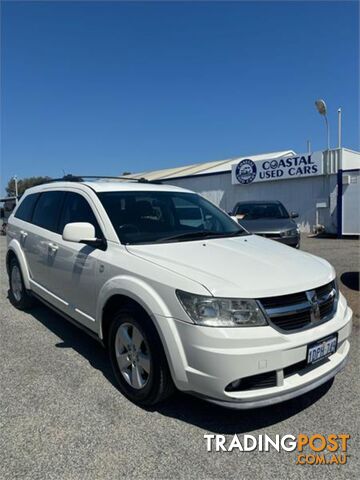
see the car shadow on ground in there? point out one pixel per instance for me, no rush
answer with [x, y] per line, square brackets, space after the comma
[180, 406]
[228, 421]
[351, 280]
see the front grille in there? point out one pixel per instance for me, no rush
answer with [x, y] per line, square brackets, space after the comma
[270, 235]
[326, 308]
[325, 289]
[302, 367]
[301, 310]
[292, 321]
[284, 300]
[295, 368]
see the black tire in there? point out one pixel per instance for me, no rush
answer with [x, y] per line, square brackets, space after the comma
[22, 299]
[159, 384]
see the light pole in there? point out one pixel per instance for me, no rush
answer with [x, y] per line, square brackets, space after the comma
[16, 188]
[339, 127]
[321, 108]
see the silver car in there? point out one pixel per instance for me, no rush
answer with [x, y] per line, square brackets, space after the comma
[269, 219]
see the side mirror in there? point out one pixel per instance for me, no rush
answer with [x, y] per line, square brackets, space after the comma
[294, 215]
[81, 232]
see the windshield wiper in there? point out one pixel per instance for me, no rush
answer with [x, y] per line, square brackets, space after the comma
[201, 234]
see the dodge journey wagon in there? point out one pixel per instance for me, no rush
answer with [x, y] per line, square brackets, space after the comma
[178, 292]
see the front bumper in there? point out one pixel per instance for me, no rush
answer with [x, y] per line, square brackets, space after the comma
[204, 360]
[290, 241]
[283, 396]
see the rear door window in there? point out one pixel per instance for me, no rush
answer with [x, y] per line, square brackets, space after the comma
[47, 210]
[77, 209]
[26, 207]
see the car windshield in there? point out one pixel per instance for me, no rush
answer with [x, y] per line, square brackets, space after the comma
[254, 211]
[160, 217]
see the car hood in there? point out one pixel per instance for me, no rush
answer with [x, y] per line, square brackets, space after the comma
[248, 267]
[268, 225]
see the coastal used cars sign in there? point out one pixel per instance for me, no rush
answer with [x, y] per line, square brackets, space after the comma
[294, 166]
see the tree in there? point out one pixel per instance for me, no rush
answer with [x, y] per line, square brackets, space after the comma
[24, 183]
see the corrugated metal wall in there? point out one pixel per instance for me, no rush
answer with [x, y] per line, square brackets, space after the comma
[301, 195]
[350, 203]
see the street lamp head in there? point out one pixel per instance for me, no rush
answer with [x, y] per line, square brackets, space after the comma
[321, 106]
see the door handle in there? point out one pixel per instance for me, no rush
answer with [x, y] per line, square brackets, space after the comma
[53, 247]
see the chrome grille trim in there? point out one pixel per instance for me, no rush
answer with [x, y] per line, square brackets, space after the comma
[280, 311]
[300, 311]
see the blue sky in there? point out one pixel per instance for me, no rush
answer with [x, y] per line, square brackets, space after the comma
[104, 87]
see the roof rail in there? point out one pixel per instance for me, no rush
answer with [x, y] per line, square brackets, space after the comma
[81, 178]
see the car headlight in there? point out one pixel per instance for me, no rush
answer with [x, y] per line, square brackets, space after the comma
[292, 232]
[221, 312]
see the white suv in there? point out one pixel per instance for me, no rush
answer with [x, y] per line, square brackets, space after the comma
[178, 292]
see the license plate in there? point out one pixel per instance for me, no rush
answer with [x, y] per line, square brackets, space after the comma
[321, 349]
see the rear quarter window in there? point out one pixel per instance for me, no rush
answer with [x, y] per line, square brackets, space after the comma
[26, 208]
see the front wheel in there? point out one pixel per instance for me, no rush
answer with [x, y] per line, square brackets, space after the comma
[138, 359]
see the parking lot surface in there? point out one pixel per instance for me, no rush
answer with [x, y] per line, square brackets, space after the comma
[61, 417]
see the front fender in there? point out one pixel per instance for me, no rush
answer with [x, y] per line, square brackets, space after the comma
[137, 290]
[14, 246]
[156, 308]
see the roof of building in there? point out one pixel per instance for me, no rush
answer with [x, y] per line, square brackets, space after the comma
[205, 168]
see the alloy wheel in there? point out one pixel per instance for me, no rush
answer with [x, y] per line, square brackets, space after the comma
[132, 355]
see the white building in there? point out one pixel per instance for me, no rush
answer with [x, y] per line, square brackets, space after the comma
[323, 187]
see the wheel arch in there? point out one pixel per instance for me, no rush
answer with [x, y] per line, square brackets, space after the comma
[14, 251]
[128, 291]
[112, 305]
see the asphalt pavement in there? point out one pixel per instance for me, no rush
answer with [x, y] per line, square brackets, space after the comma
[61, 416]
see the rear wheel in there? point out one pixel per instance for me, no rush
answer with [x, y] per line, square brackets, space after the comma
[138, 359]
[18, 294]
